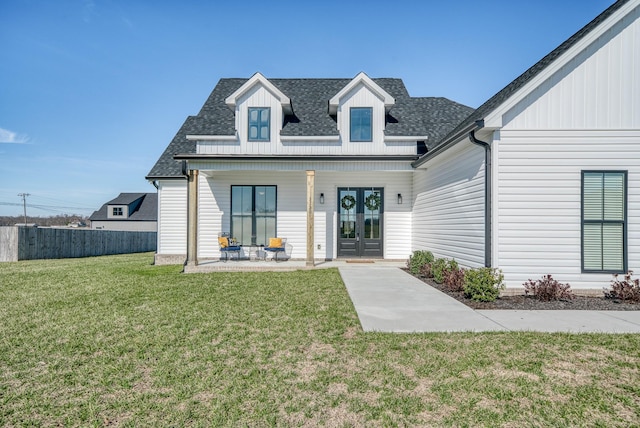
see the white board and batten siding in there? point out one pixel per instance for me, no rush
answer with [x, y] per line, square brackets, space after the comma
[584, 117]
[448, 210]
[172, 217]
[215, 204]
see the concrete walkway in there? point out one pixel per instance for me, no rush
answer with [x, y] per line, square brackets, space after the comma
[387, 299]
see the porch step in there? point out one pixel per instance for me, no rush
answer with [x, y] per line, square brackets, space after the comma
[359, 261]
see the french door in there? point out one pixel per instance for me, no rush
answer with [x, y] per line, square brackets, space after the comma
[360, 211]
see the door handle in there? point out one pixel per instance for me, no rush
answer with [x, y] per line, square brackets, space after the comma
[357, 237]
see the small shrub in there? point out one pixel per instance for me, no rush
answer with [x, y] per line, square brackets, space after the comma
[437, 269]
[547, 289]
[454, 277]
[625, 289]
[483, 284]
[418, 259]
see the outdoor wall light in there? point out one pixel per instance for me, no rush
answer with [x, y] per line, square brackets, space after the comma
[399, 198]
[322, 198]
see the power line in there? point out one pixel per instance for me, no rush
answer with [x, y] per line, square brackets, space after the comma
[57, 207]
[60, 203]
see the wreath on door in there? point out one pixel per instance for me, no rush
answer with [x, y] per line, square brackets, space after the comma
[372, 202]
[348, 202]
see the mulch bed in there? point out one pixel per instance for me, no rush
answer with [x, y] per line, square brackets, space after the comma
[529, 303]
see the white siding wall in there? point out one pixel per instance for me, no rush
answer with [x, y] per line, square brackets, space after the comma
[397, 218]
[448, 210]
[172, 217]
[538, 203]
[215, 206]
[258, 96]
[361, 96]
[586, 116]
[215, 201]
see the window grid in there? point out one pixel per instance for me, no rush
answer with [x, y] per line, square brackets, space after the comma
[259, 123]
[604, 219]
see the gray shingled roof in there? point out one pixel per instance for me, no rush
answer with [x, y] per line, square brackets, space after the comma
[126, 198]
[147, 211]
[432, 117]
[481, 112]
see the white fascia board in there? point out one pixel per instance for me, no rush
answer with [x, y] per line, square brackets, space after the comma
[256, 79]
[388, 138]
[310, 138]
[212, 137]
[494, 119]
[388, 100]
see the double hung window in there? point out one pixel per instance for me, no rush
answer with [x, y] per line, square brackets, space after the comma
[604, 221]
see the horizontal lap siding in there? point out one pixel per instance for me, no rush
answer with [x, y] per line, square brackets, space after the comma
[538, 201]
[292, 217]
[448, 210]
[172, 217]
[584, 116]
[215, 205]
[397, 218]
[212, 194]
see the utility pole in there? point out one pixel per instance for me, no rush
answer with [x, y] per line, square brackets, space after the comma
[24, 204]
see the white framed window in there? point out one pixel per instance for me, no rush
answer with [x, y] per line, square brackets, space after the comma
[117, 212]
[604, 221]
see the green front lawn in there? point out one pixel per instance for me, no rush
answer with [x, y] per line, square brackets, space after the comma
[115, 341]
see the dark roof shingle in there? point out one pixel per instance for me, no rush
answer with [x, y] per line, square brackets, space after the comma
[146, 211]
[431, 117]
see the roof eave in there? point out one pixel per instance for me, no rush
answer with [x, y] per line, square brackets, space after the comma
[449, 142]
[334, 158]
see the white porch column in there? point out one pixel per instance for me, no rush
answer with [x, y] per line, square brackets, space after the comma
[310, 217]
[192, 218]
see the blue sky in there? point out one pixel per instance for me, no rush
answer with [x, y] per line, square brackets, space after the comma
[92, 91]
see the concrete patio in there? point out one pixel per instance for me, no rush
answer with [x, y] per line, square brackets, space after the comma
[245, 265]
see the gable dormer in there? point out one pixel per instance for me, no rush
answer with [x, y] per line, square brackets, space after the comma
[124, 206]
[361, 107]
[260, 108]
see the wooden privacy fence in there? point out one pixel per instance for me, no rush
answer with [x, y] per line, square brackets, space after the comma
[28, 243]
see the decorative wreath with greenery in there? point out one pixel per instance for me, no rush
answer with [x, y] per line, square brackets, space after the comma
[348, 202]
[372, 202]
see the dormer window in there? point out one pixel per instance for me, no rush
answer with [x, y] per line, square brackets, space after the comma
[361, 124]
[117, 212]
[259, 123]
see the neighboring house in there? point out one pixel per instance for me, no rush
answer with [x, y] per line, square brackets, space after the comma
[129, 211]
[543, 178]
